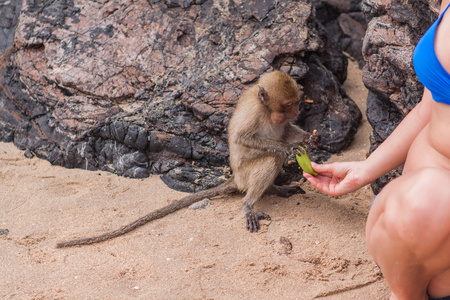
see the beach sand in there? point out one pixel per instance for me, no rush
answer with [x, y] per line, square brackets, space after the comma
[314, 246]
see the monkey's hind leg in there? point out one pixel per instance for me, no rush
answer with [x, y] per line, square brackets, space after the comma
[260, 180]
[251, 215]
[285, 191]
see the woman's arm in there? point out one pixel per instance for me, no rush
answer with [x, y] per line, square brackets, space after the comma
[339, 178]
[393, 151]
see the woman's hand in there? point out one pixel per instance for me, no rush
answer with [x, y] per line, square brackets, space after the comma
[338, 178]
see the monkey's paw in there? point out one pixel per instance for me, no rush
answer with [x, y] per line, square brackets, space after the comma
[253, 218]
[314, 139]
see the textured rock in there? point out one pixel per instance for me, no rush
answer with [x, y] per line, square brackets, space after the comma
[134, 87]
[345, 22]
[9, 15]
[394, 30]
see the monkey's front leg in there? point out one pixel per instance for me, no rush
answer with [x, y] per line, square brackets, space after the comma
[295, 136]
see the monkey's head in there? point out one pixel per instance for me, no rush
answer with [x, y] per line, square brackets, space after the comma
[279, 93]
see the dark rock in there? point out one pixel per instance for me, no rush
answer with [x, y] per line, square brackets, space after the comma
[139, 87]
[9, 16]
[345, 22]
[394, 30]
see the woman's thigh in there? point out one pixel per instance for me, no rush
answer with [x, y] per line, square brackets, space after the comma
[419, 200]
[415, 210]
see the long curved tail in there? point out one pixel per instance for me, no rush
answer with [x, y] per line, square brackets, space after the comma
[226, 188]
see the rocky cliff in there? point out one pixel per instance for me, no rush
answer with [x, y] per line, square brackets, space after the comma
[139, 87]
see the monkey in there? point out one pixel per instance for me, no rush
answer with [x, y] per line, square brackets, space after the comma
[260, 137]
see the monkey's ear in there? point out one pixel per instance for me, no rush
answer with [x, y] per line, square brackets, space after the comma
[263, 95]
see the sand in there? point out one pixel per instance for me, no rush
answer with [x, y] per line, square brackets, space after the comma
[314, 247]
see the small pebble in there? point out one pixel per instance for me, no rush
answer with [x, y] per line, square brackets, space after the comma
[201, 204]
[58, 290]
[4, 231]
[28, 153]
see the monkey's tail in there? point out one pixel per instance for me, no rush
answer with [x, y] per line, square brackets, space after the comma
[227, 187]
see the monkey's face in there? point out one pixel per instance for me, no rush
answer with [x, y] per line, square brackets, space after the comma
[279, 93]
[287, 111]
[291, 109]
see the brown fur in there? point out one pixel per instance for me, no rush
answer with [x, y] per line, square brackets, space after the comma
[260, 138]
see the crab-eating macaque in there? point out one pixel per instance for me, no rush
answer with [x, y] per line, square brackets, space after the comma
[260, 138]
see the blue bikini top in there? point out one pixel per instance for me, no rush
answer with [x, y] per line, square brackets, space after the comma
[428, 67]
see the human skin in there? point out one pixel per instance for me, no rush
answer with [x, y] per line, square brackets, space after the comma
[408, 227]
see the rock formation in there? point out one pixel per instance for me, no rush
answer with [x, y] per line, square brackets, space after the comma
[134, 87]
[345, 22]
[395, 28]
